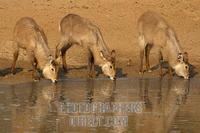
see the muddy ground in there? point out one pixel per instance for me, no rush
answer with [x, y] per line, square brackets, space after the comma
[117, 21]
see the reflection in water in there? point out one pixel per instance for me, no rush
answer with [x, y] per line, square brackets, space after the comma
[102, 91]
[169, 105]
[162, 108]
[31, 113]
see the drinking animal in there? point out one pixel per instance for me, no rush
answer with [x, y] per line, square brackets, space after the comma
[29, 35]
[155, 31]
[80, 31]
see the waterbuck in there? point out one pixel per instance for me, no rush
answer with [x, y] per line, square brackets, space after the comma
[80, 31]
[154, 31]
[29, 35]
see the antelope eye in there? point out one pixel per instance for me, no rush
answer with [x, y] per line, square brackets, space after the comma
[111, 67]
[52, 69]
[186, 67]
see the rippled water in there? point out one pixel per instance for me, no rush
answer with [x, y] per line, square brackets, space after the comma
[95, 106]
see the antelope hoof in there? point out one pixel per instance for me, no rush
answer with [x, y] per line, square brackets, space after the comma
[141, 72]
[90, 75]
[13, 72]
[36, 79]
[149, 70]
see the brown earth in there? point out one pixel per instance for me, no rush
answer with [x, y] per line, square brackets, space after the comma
[117, 20]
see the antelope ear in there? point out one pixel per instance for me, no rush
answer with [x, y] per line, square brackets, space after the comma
[185, 54]
[113, 53]
[58, 60]
[50, 58]
[53, 62]
[180, 57]
[101, 54]
[113, 56]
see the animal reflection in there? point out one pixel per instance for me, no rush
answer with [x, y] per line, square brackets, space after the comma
[162, 108]
[38, 108]
[102, 91]
[34, 110]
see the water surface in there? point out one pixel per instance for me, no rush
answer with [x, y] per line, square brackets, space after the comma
[95, 106]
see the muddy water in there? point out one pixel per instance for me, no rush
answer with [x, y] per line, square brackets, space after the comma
[95, 106]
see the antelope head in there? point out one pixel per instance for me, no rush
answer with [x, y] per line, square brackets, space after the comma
[50, 71]
[182, 66]
[108, 67]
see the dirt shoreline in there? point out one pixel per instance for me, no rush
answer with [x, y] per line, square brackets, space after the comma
[23, 74]
[117, 21]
